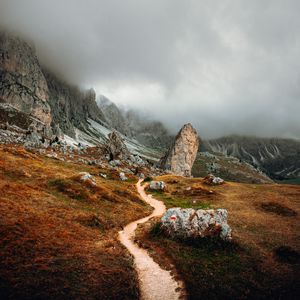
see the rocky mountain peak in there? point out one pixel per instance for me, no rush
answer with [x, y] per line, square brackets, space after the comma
[181, 156]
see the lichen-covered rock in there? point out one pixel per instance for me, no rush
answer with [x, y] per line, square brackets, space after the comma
[157, 185]
[182, 154]
[213, 180]
[190, 223]
[116, 147]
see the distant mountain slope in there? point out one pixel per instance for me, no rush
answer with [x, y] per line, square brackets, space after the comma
[279, 158]
[146, 131]
[114, 116]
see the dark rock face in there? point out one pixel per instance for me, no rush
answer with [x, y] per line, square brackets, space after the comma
[152, 134]
[278, 158]
[70, 106]
[116, 147]
[114, 116]
[22, 83]
[37, 92]
[181, 156]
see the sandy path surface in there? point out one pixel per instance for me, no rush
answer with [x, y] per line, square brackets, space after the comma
[155, 283]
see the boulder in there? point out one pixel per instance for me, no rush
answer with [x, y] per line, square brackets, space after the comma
[181, 156]
[157, 185]
[213, 180]
[191, 223]
[116, 147]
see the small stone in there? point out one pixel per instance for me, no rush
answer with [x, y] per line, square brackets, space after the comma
[85, 176]
[123, 176]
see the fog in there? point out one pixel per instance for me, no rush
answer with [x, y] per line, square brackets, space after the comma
[228, 67]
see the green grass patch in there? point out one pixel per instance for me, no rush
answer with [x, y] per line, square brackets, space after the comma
[179, 202]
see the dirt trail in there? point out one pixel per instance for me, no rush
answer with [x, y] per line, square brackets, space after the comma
[155, 283]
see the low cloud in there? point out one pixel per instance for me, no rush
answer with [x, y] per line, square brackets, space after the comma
[226, 66]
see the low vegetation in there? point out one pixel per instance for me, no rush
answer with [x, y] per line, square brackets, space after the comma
[59, 235]
[262, 262]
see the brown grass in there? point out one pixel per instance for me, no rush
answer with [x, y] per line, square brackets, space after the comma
[59, 235]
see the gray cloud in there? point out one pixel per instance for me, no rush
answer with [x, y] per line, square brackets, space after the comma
[226, 66]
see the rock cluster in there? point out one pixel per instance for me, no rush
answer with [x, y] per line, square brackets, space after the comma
[182, 154]
[190, 223]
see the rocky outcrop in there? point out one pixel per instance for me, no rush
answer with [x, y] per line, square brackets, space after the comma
[71, 107]
[116, 147]
[182, 154]
[190, 223]
[39, 93]
[22, 82]
[114, 116]
[19, 127]
[150, 133]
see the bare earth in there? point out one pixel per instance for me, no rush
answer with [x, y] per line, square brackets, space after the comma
[155, 283]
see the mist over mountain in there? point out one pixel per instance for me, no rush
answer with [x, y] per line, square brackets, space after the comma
[225, 66]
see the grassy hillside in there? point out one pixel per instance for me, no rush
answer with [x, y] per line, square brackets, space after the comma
[263, 260]
[58, 234]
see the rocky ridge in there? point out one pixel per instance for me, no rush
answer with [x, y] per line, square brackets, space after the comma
[278, 158]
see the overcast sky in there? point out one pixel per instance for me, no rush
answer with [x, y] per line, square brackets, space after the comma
[228, 66]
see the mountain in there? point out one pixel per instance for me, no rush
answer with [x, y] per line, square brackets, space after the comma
[150, 133]
[70, 107]
[114, 116]
[278, 158]
[42, 101]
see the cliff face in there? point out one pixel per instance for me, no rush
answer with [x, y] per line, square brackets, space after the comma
[114, 116]
[70, 106]
[22, 83]
[152, 134]
[32, 90]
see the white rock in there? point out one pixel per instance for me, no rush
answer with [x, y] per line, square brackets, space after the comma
[123, 176]
[190, 223]
[157, 185]
[85, 176]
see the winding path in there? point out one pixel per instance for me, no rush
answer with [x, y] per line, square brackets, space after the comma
[155, 283]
